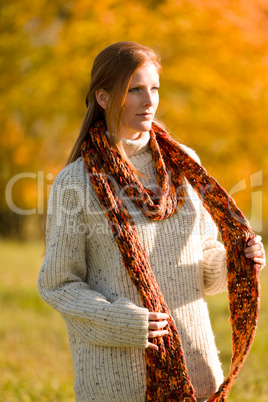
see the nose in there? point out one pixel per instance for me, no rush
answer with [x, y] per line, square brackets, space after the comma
[148, 99]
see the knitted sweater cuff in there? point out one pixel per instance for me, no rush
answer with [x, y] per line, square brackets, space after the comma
[126, 325]
[214, 267]
[93, 318]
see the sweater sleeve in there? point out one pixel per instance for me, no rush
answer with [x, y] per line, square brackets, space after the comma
[62, 278]
[214, 254]
[214, 257]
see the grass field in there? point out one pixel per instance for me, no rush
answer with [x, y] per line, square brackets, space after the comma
[35, 362]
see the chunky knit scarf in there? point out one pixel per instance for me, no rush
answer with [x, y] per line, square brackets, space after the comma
[167, 376]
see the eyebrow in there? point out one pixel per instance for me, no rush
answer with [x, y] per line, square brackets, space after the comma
[143, 85]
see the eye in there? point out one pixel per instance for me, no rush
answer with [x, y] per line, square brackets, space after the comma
[135, 89]
[155, 88]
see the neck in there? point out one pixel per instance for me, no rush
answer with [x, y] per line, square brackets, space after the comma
[131, 137]
[137, 146]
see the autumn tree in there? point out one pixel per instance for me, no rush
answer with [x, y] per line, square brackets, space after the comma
[213, 90]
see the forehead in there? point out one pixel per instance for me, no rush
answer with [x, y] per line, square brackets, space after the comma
[145, 74]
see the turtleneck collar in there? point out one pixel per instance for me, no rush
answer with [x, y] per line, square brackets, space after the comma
[135, 147]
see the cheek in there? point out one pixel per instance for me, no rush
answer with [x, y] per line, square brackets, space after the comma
[127, 112]
[156, 101]
[130, 104]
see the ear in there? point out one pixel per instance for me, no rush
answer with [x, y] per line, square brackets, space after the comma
[102, 97]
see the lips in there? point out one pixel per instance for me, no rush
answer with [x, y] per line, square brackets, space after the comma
[145, 115]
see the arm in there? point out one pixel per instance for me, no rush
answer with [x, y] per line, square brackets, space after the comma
[62, 278]
[215, 270]
[214, 254]
[214, 257]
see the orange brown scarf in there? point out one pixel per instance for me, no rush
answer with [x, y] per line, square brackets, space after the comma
[167, 375]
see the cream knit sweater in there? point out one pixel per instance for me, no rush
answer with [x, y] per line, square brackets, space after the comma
[83, 277]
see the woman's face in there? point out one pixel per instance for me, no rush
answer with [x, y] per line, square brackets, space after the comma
[141, 102]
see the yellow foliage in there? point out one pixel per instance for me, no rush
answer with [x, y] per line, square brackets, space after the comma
[213, 91]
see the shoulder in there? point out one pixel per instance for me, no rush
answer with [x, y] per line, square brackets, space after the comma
[74, 173]
[191, 152]
[70, 189]
[71, 182]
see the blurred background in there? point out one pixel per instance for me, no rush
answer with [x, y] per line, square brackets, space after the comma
[213, 98]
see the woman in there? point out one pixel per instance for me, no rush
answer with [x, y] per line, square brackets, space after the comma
[131, 250]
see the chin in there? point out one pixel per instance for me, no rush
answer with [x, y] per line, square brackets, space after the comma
[145, 126]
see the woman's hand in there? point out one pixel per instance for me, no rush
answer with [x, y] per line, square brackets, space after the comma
[157, 321]
[255, 250]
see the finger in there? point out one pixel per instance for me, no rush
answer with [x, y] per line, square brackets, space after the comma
[153, 316]
[155, 334]
[152, 346]
[254, 240]
[255, 249]
[257, 254]
[259, 261]
[157, 324]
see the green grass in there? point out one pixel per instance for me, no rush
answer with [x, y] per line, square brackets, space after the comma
[35, 361]
[251, 384]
